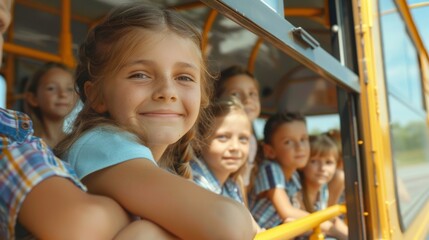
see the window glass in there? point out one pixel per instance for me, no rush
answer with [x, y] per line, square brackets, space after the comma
[420, 19]
[408, 126]
[401, 61]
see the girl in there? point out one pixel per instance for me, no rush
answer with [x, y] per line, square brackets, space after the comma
[143, 83]
[315, 177]
[337, 184]
[50, 97]
[226, 150]
[238, 82]
[275, 182]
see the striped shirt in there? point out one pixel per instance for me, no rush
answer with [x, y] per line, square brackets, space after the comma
[271, 176]
[202, 176]
[25, 161]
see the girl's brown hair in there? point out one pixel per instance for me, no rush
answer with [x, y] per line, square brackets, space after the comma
[31, 88]
[320, 145]
[105, 50]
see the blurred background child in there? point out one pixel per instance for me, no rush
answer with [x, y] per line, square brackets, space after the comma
[239, 82]
[315, 177]
[50, 97]
[336, 185]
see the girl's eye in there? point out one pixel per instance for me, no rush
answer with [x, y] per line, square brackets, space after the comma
[235, 94]
[185, 78]
[305, 140]
[244, 139]
[222, 138]
[70, 89]
[329, 162]
[289, 143]
[50, 88]
[139, 76]
[253, 94]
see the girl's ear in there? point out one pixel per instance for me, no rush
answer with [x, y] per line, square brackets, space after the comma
[269, 151]
[31, 99]
[96, 103]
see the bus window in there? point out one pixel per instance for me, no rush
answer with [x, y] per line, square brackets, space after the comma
[408, 126]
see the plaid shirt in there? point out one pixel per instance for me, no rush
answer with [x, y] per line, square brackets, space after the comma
[202, 176]
[25, 161]
[271, 176]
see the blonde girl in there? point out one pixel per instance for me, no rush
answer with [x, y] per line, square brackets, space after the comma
[50, 97]
[316, 175]
[142, 79]
[225, 152]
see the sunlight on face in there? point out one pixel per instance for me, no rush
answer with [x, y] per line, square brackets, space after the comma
[158, 90]
[320, 169]
[228, 146]
[290, 145]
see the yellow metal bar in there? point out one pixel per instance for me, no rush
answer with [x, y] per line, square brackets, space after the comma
[65, 50]
[51, 10]
[411, 26]
[253, 55]
[300, 226]
[207, 27]
[382, 221]
[29, 52]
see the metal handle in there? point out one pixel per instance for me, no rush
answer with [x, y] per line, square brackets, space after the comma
[305, 37]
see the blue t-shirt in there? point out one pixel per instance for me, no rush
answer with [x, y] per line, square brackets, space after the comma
[202, 176]
[270, 176]
[102, 147]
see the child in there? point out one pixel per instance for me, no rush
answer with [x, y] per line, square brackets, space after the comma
[275, 181]
[225, 151]
[50, 97]
[237, 81]
[142, 80]
[315, 177]
[42, 193]
[337, 184]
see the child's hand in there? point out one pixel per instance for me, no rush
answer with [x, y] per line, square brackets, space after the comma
[289, 219]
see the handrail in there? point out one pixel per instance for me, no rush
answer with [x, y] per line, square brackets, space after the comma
[302, 225]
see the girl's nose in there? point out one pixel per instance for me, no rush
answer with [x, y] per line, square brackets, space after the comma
[234, 144]
[165, 90]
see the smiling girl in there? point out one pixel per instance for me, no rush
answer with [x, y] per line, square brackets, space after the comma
[225, 152]
[50, 97]
[144, 85]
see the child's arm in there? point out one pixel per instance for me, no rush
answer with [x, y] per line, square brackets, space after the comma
[143, 229]
[336, 187]
[281, 202]
[57, 209]
[178, 205]
[339, 230]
